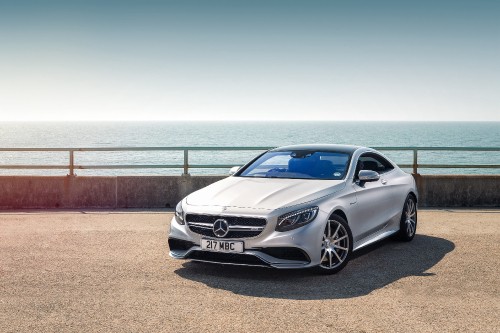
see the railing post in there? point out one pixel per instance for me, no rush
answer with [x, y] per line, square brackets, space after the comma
[415, 162]
[71, 163]
[186, 163]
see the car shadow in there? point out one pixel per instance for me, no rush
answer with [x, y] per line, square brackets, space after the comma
[371, 268]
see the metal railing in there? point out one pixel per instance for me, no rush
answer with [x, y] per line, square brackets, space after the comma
[186, 165]
[414, 166]
[72, 166]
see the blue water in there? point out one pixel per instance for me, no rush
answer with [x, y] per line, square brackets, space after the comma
[150, 134]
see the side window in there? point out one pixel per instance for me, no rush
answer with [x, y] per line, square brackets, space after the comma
[375, 162]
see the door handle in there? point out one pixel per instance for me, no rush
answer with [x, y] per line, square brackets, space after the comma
[383, 181]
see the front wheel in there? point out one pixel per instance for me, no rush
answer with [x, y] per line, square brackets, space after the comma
[408, 224]
[336, 246]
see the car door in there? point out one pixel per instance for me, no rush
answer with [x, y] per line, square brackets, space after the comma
[373, 199]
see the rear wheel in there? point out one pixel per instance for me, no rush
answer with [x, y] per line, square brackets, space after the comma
[336, 246]
[408, 224]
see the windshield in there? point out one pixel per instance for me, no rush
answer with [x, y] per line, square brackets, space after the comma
[299, 164]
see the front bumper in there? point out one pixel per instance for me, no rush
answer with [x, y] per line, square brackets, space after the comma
[298, 248]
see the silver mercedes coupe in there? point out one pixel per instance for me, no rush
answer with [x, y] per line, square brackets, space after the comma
[302, 206]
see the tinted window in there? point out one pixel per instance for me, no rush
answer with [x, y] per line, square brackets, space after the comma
[299, 164]
[375, 162]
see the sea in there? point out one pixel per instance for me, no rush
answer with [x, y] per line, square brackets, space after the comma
[244, 134]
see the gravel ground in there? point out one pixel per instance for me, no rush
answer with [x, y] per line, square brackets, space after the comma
[109, 271]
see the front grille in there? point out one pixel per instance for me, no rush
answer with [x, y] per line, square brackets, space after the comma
[232, 220]
[239, 226]
[227, 258]
[230, 234]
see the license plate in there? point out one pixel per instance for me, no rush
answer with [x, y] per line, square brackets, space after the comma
[221, 246]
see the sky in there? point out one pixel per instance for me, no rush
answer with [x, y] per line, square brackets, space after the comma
[249, 60]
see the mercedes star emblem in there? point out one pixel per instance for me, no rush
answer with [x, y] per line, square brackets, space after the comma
[221, 228]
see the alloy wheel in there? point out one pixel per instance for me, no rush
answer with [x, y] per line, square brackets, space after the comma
[410, 217]
[335, 245]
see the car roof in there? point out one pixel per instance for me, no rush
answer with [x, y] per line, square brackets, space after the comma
[348, 149]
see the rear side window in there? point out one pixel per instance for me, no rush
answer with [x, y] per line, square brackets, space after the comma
[374, 162]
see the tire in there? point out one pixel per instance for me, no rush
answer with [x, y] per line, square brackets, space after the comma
[408, 223]
[336, 247]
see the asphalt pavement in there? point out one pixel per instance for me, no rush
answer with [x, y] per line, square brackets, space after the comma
[109, 271]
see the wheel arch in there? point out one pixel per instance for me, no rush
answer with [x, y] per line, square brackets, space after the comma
[414, 195]
[340, 213]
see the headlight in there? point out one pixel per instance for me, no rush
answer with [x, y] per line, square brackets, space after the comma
[296, 219]
[179, 213]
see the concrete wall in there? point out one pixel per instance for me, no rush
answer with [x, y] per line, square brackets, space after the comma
[458, 190]
[19, 192]
[22, 192]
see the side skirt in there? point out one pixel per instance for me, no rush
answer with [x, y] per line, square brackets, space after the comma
[370, 240]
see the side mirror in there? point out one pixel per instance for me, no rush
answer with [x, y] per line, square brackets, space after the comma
[233, 170]
[368, 176]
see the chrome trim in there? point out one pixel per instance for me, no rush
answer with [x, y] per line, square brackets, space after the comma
[231, 227]
[232, 264]
[201, 225]
[225, 214]
[220, 228]
[244, 228]
[280, 263]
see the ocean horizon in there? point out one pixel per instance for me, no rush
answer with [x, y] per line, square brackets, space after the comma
[238, 133]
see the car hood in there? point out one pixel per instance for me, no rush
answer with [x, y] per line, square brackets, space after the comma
[263, 193]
